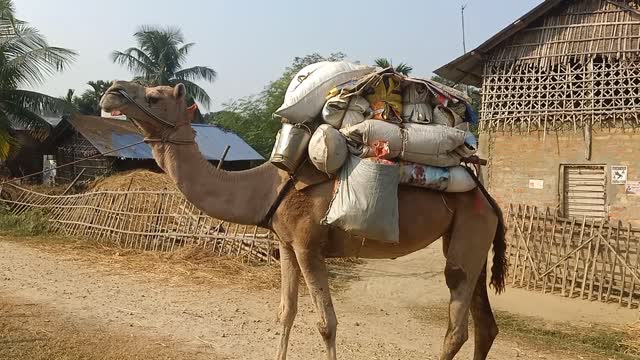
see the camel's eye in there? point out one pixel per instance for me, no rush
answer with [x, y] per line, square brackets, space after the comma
[152, 100]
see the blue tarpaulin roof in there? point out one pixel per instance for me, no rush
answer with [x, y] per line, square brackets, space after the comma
[110, 134]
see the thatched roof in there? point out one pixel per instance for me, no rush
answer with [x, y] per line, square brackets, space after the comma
[556, 32]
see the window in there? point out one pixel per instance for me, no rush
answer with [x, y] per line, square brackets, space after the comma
[584, 191]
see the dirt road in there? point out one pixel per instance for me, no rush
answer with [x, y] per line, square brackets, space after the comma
[53, 306]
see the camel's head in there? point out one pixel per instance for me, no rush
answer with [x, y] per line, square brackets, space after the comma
[154, 109]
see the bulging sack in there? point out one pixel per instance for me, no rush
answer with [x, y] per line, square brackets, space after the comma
[460, 180]
[365, 137]
[432, 144]
[306, 94]
[366, 200]
[341, 113]
[328, 149]
[424, 176]
[416, 104]
[453, 179]
[442, 115]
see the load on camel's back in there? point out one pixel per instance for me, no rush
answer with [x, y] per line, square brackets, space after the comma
[372, 131]
[294, 206]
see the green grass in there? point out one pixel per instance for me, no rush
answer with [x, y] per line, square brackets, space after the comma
[30, 223]
[591, 342]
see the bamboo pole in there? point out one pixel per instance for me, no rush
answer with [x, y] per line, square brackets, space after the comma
[577, 263]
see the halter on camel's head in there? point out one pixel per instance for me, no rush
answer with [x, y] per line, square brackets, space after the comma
[159, 112]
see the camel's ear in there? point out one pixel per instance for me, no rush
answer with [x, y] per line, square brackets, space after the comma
[179, 91]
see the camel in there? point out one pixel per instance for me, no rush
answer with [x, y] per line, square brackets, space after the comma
[469, 223]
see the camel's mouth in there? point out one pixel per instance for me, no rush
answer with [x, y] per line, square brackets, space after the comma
[112, 100]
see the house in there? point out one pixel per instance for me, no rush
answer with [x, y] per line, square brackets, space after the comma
[28, 148]
[560, 108]
[82, 136]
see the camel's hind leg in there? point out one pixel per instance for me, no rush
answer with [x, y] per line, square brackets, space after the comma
[466, 253]
[316, 276]
[485, 327]
[290, 273]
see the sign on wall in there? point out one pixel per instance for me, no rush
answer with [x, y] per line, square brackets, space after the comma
[618, 175]
[633, 188]
[536, 184]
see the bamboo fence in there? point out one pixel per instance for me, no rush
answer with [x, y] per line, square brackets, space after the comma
[145, 220]
[584, 258]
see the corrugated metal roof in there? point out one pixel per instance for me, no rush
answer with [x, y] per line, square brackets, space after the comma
[50, 119]
[110, 134]
[467, 69]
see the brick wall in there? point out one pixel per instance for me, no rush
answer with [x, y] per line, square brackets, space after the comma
[515, 159]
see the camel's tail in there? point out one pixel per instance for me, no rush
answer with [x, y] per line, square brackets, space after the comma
[500, 264]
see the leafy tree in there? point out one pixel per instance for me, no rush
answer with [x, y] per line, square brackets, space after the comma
[89, 102]
[401, 68]
[99, 88]
[252, 117]
[26, 59]
[159, 60]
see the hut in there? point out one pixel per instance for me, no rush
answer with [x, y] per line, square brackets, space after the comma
[26, 152]
[560, 108]
[82, 136]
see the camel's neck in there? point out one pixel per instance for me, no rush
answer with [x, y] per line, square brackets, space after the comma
[242, 197]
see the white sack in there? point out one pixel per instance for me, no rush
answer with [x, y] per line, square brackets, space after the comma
[342, 113]
[440, 160]
[328, 149]
[432, 144]
[306, 94]
[453, 179]
[364, 136]
[460, 180]
[424, 176]
[416, 106]
[366, 202]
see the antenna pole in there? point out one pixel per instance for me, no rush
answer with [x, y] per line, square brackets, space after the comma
[464, 38]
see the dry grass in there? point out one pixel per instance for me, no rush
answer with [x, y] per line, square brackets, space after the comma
[35, 332]
[593, 342]
[134, 180]
[633, 340]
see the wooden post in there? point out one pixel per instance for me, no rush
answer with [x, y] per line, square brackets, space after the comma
[73, 182]
[224, 155]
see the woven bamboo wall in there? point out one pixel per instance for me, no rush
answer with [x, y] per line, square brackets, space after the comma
[576, 258]
[577, 66]
[77, 147]
[147, 220]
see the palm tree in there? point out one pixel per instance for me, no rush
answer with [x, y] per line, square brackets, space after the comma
[98, 88]
[91, 98]
[401, 68]
[159, 60]
[26, 59]
[69, 97]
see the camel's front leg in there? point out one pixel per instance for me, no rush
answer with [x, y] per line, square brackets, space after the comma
[290, 274]
[316, 276]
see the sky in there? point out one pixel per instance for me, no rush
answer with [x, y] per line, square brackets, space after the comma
[250, 43]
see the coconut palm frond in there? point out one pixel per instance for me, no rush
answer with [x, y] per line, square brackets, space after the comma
[159, 59]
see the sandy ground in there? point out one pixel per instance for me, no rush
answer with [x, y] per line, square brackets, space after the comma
[51, 300]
